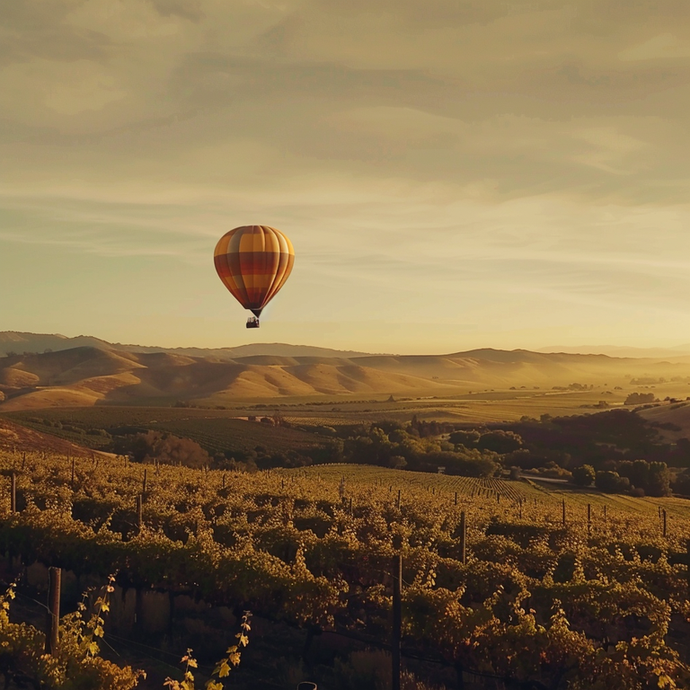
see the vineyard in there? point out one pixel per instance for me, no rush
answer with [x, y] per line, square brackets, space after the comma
[549, 496]
[214, 430]
[507, 584]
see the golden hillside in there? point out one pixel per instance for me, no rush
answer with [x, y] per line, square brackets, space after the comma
[91, 376]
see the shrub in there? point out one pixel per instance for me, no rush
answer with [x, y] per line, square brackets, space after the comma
[584, 475]
[611, 482]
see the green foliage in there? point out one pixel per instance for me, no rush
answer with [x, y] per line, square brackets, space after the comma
[214, 430]
[162, 447]
[681, 485]
[611, 482]
[584, 475]
[75, 664]
[223, 667]
[500, 441]
[536, 601]
[639, 398]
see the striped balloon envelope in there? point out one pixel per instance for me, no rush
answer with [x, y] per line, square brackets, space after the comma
[254, 261]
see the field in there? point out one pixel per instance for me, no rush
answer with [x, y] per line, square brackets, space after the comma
[516, 596]
[217, 431]
[548, 495]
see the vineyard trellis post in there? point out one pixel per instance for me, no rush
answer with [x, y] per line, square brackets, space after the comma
[589, 518]
[564, 511]
[143, 483]
[663, 517]
[397, 621]
[456, 498]
[140, 511]
[13, 493]
[463, 538]
[53, 636]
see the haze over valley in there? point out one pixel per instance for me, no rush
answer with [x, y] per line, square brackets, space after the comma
[90, 372]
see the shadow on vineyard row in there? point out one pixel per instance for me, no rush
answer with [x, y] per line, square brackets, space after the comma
[528, 594]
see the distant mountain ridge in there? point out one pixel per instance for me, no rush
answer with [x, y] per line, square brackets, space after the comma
[621, 350]
[101, 375]
[20, 343]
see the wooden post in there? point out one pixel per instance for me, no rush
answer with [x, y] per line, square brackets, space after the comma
[397, 502]
[281, 481]
[604, 512]
[73, 471]
[397, 621]
[663, 515]
[13, 493]
[53, 635]
[589, 518]
[143, 484]
[456, 498]
[498, 498]
[463, 538]
[564, 511]
[520, 509]
[140, 512]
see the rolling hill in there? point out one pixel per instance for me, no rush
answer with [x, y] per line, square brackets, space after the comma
[16, 342]
[88, 375]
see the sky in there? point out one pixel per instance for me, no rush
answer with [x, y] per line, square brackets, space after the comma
[452, 173]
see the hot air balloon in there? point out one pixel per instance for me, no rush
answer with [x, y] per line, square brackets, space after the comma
[254, 261]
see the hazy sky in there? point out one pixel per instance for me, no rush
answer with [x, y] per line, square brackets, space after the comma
[452, 173]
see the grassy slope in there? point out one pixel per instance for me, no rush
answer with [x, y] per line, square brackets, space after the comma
[410, 483]
[92, 376]
[214, 430]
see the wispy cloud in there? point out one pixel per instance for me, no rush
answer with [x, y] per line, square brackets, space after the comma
[497, 166]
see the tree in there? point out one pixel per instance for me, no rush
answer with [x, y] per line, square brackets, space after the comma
[659, 480]
[500, 441]
[397, 462]
[653, 478]
[611, 482]
[584, 475]
[639, 398]
[469, 439]
[166, 448]
[681, 485]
